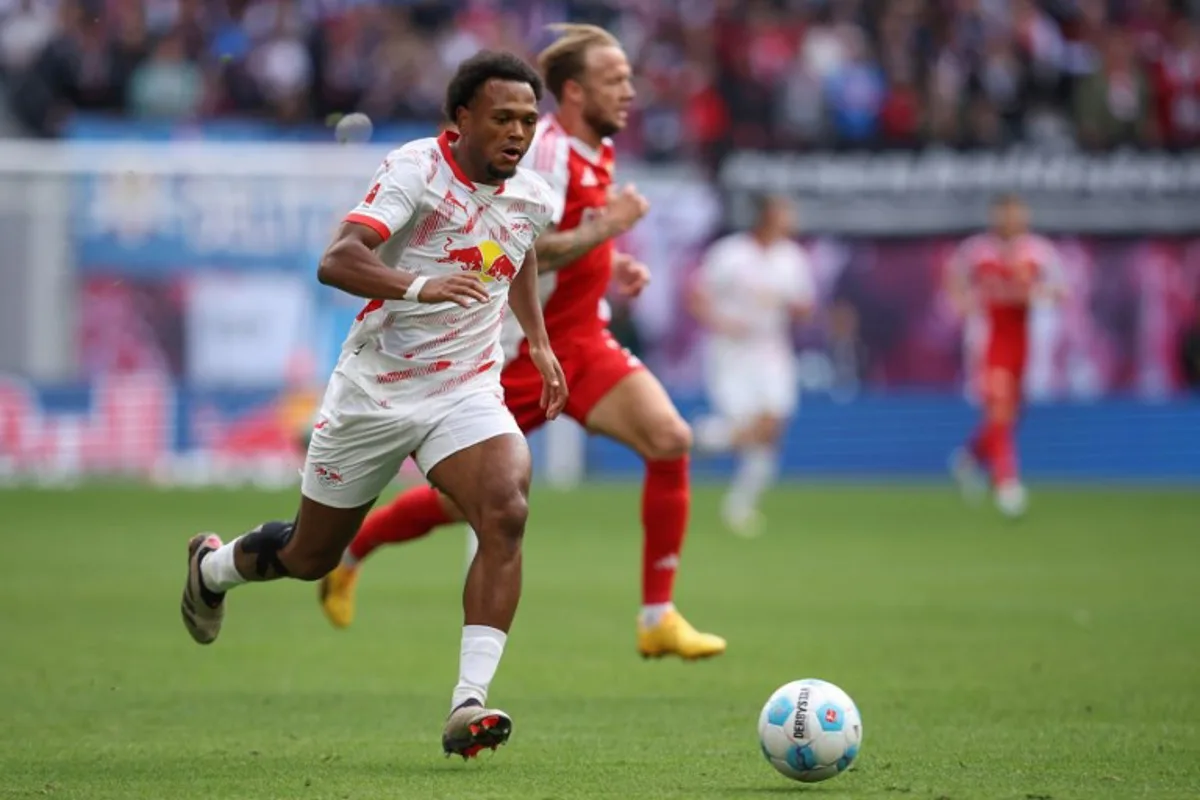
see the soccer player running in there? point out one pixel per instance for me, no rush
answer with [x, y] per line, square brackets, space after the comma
[750, 289]
[612, 394]
[1001, 274]
[434, 245]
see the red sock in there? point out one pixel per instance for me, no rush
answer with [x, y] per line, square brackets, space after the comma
[1004, 454]
[411, 515]
[665, 502]
[993, 445]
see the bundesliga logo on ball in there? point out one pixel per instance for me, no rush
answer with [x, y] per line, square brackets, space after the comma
[810, 730]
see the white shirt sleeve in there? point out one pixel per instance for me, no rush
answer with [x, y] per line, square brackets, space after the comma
[395, 192]
[548, 157]
[545, 216]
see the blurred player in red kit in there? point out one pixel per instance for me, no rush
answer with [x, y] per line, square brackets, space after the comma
[1001, 274]
[612, 394]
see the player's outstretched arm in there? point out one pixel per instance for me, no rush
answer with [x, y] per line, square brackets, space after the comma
[350, 264]
[557, 248]
[523, 300]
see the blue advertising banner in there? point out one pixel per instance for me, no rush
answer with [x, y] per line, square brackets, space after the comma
[148, 224]
[144, 427]
[906, 436]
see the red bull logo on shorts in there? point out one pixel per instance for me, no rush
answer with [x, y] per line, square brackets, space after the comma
[329, 476]
[487, 259]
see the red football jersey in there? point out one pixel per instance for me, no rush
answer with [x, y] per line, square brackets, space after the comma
[1004, 276]
[580, 177]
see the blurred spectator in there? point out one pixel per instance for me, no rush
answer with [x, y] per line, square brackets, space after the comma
[711, 75]
[24, 31]
[1177, 83]
[854, 93]
[1113, 104]
[167, 84]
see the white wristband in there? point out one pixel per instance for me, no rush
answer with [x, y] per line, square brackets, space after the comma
[413, 291]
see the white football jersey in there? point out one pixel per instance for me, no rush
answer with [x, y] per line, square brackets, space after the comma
[434, 221]
[754, 287]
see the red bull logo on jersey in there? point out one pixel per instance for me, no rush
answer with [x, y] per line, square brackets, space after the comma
[487, 259]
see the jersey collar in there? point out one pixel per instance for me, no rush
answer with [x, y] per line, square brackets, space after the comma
[446, 139]
[595, 157]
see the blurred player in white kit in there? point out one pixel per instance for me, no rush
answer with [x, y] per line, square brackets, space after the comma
[751, 288]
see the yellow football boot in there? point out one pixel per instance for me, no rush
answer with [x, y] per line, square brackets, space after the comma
[674, 636]
[337, 595]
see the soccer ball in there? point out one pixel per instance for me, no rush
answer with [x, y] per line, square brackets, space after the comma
[810, 730]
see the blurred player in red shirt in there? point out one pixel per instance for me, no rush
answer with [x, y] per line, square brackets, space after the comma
[1001, 274]
[612, 394]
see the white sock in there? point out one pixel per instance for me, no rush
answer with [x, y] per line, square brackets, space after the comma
[652, 614]
[714, 434]
[348, 559]
[217, 569]
[755, 473]
[482, 648]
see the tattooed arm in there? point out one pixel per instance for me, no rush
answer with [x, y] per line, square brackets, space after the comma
[558, 248]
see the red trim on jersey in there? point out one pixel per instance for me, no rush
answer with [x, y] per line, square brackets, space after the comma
[444, 141]
[459, 380]
[370, 222]
[413, 372]
[372, 305]
[603, 155]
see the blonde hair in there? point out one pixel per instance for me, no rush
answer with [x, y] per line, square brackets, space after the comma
[565, 59]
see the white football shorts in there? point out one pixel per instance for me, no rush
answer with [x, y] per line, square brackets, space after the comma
[358, 445]
[741, 389]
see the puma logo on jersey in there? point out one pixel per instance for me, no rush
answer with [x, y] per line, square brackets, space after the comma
[589, 178]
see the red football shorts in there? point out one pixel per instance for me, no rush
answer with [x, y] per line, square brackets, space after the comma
[592, 365]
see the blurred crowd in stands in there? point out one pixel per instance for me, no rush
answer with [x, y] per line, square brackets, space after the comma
[712, 74]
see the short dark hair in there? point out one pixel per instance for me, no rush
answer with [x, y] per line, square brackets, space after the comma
[481, 68]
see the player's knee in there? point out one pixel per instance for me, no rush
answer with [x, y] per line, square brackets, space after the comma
[667, 440]
[503, 518]
[769, 430]
[1000, 408]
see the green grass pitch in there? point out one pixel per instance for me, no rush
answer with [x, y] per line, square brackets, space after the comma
[1054, 658]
